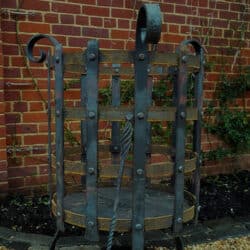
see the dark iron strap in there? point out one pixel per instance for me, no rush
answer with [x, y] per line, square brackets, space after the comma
[59, 100]
[148, 31]
[179, 133]
[91, 232]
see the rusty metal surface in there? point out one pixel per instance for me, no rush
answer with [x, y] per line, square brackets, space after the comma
[158, 214]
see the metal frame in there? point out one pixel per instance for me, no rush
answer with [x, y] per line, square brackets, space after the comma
[137, 122]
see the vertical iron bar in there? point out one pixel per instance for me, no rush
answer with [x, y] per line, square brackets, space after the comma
[197, 131]
[92, 63]
[83, 124]
[180, 122]
[59, 101]
[149, 91]
[116, 101]
[140, 145]
[49, 130]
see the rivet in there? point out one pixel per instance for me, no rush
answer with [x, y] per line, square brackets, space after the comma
[141, 56]
[57, 59]
[115, 147]
[182, 114]
[91, 170]
[92, 56]
[180, 168]
[140, 115]
[117, 70]
[58, 214]
[202, 113]
[148, 70]
[200, 161]
[58, 164]
[204, 62]
[91, 114]
[199, 208]
[90, 223]
[58, 112]
[139, 171]
[179, 220]
[184, 59]
[138, 226]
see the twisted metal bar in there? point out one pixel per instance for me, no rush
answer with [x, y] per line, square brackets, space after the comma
[126, 139]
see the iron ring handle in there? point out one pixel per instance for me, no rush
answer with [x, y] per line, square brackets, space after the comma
[149, 23]
[42, 54]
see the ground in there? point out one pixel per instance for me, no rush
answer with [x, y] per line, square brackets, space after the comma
[221, 196]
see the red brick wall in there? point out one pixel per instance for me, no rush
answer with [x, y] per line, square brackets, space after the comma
[217, 24]
[3, 155]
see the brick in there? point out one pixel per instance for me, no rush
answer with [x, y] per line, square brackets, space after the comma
[173, 38]
[22, 171]
[36, 180]
[20, 107]
[34, 117]
[112, 44]
[167, 8]
[9, 26]
[10, 49]
[17, 61]
[238, 7]
[51, 18]
[67, 19]
[66, 8]
[8, 4]
[119, 34]
[96, 11]
[66, 30]
[39, 5]
[12, 118]
[3, 156]
[35, 160]
[123, 24]
[16, 182]
[95, 32]
[228, 15]
[82, 20]
[113, 3]
[33, 95]
[122, 13]
[77, 41]
[37, 17]
[11, 72]
[35, 139]
[29, 27]
[44, 128]
[184, 9]
[90, 2]
[96, 21]
[176, 19]
[36, 106]
[22, 129]
[110, 22]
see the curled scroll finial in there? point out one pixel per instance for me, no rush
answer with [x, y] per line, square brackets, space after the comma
[195, 43]
[42, 54]
[148, 25]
